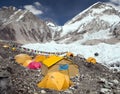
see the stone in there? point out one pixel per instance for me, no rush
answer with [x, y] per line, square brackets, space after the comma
[107, 86]
[35, 93]
[96, 54]
[68, 91]
[75, 87]
[116, 82]
[1, 57]
[43, 91]
[103, 80]
[105, 90]
[4, 73]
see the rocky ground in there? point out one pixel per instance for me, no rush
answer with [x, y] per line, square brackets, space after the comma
[93, 79]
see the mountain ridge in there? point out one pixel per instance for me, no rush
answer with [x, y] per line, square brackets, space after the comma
[22, 25]
[92, 20]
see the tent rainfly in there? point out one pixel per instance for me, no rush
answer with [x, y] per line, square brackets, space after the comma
[60, 64]
[39, 58]
[56, 81]
[21, 58]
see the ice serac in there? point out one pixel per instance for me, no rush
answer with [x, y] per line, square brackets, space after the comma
[22, 26]
[91, 26]
[56, 30]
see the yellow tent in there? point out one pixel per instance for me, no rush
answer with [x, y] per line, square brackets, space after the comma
[69, 54]
[40, 58]
[52, 60]
[91, 60]
[56, 81]
[26, 63]
[21, 58]
[57, 63]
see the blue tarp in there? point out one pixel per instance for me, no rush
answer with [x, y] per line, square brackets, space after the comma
[63, 67]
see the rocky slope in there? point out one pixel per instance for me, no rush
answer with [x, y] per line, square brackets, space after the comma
[22, 26]
[93, 79]
[115, 30]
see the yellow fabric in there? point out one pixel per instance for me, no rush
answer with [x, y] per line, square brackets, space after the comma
[26, 63]
[69, 71]
[40, 58]
[55, 68]
[52, 60]
[13, 49]
[51, 55]
[66, 82]
[55, 80]
[21, 58]
[91, 60]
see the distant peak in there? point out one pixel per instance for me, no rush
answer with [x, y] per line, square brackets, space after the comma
[10, 8]
[99, 2]
[100, 5]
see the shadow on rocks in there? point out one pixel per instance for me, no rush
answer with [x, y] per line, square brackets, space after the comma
[5, 82]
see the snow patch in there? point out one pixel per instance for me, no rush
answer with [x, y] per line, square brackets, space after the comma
[111, 19]
[15, 13]
[21, 16]
[73, 27]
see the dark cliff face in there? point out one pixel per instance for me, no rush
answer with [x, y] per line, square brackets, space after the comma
[22, 26]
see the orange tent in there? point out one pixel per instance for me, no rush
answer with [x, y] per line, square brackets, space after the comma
[21, 58]
[91, 60]
[69, 54]
[39, 58]
[56, 81]
[26, 63]
[55, 63]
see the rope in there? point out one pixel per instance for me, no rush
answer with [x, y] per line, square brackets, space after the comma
[22, 49]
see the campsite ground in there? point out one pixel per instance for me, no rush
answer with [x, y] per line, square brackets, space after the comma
[93, 79]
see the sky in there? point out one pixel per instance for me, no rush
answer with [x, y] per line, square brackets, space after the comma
[58, 11]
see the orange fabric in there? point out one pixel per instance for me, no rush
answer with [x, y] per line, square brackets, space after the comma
[69, 54]
[56, 81]
[26, 63]
[40, 58]
[13, 49]
[52, 60]
[91, 60]
[21, 58]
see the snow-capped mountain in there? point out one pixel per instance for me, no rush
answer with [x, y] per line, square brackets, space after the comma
[56, 30]
[95, 21]
[22, 26]
[92, 26]
[97, 29]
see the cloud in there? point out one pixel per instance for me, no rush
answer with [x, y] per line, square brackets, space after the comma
[34, 8]
[37, 4]
[44, 12]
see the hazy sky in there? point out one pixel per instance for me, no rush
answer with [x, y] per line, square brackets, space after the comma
[58, 11]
